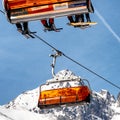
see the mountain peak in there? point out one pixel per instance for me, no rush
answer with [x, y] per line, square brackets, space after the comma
[106, 95]
[64, 75]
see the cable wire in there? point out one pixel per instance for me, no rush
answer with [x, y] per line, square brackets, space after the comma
[45, 42]
[91, 71]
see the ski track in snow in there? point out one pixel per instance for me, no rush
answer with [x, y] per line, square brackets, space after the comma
[4, 115]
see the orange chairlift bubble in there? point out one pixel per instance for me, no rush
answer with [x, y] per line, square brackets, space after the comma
[64, 89]
[30, 10]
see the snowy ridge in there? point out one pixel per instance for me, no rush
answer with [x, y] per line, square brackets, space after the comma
[64, 75]
[26, 100]
[16, 114]
[103, 106]
[62, 79]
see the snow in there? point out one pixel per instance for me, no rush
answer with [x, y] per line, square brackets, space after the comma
[117, 113]
[116, 117]
[15, 114]
[62, 79]
[56, 85]
[26, 100]
[63, 75]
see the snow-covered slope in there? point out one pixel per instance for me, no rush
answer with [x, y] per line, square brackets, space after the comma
[17, 114]
[103, 106]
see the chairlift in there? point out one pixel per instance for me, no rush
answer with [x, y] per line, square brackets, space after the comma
[63, 90]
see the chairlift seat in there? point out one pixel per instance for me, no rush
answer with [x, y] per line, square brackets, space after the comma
[30, 10]
[61, 94]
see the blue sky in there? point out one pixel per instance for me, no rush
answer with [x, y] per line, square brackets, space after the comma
[25, 64]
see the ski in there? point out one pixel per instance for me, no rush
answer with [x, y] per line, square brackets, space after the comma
[27, 35]
[82, 25]
[58, 29]
[30, 34]
[21, 31]
[52, 29]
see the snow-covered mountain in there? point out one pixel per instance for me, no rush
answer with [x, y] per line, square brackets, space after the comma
[103, 106]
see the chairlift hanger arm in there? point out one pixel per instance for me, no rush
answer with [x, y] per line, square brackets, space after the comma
[54, 56]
